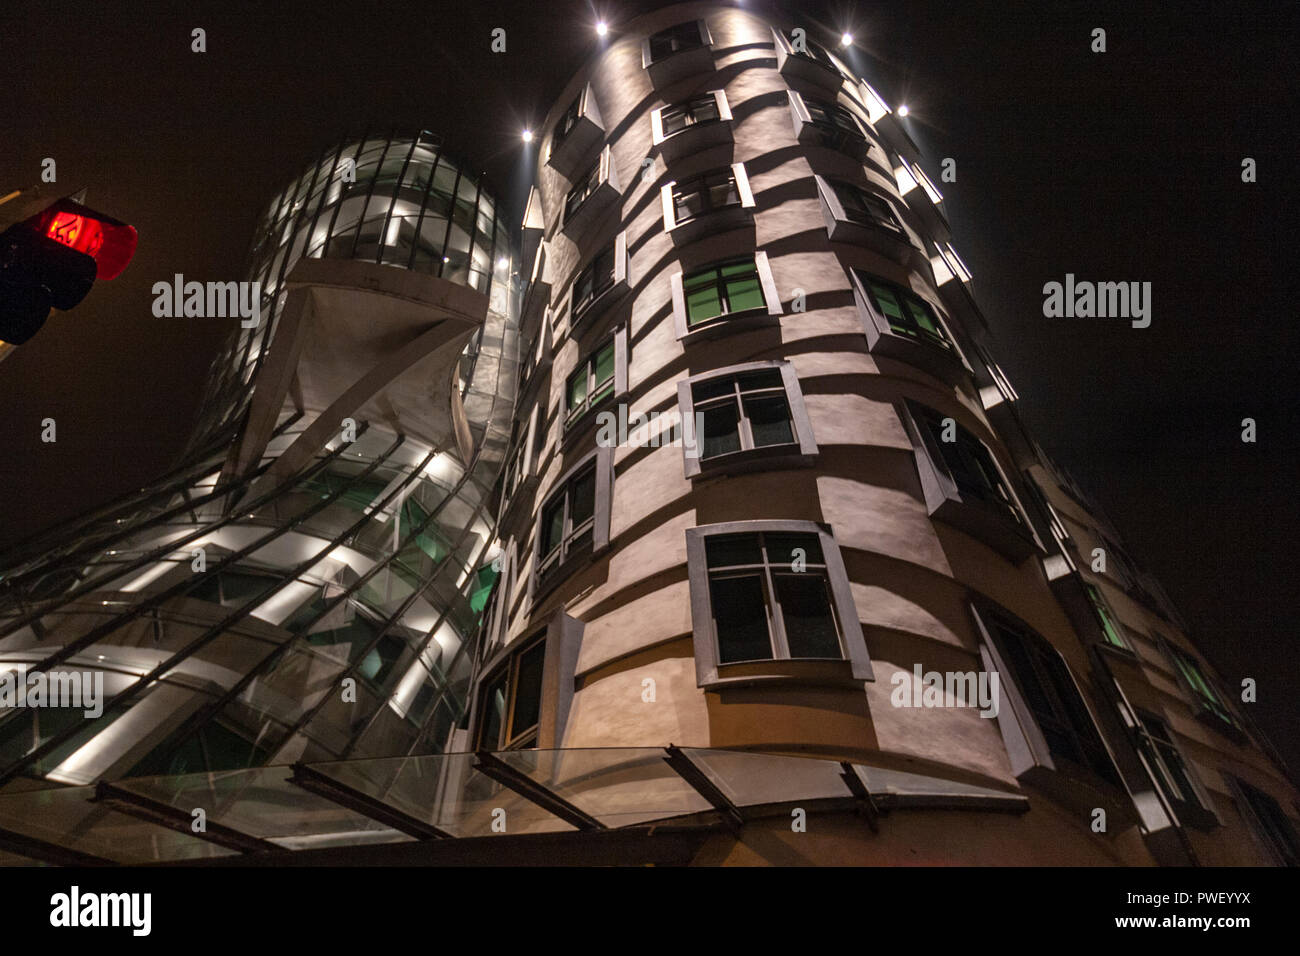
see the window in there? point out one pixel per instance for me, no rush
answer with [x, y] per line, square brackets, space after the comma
[567, 122]
[1267, 821]
[865, 208]
[707, 193]
[742, 414]
[676, 53]
[233, 586]
[833, 119]
[770, 591]
[527, 692]
[1046, 692]
[574, 520]
[590, 383]
[970, 465]
[717, 291]
[519, 463]
[701, 109]
[1168, 768]
[717, 294]
[690, 127]
[906, 313]
[583, 188]
[1109, 626]
[594, 191]
[511, 702]
[826, 123]
[606, 270]
[676, 39]
[718, 199]
[1207, 701]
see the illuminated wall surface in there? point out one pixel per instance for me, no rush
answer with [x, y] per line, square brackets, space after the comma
[727, 228]
[369, 559]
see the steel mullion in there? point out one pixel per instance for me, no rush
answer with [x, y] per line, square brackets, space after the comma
[442, 617]
[172, 546]
[392, 200]
[174, 818]
[161, 670]
[370, 192]
[493, 767]
[183, 587]
[210, 712]
[424, 203]
[188, 505]
[374, 808]
[443, 614]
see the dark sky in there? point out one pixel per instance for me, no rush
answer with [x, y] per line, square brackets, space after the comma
[1123, 166]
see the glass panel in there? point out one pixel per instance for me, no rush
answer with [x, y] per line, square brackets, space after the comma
[781, 548]
[494, 713]
[703, 301]
[806, 613]
[604, 365]
[745, 292]
[769, 420]
[528, 691]
[578, 389]
[730, 550]
[552, 526]
[583, 497]
[740, 616]
[721, 431]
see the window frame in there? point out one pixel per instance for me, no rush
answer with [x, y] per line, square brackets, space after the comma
[580, 313]
[711, 674]
[713, 218]
[566, 150]
[542, 581]
[1202, 707]
[1105, 614]
[1243, 795]
[574, 423]
[1014, 537]
[561, 636]
[850, 138]
[659, 133]
[818, 71]
[1031, 756]
[602, 191]
[1198, 811]
[799, 453]
[728, 321]
[945, 362]
[677, 64]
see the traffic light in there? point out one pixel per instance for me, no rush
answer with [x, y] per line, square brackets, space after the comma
[51, 257]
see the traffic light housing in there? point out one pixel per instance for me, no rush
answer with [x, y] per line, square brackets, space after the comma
[51, 258]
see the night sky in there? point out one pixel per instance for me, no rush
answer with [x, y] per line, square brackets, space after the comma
[1122, 166]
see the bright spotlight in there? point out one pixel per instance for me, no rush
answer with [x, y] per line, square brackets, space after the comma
[602, 28]
[903, 111]
[527, 136]
[846, 39]
[502, 262]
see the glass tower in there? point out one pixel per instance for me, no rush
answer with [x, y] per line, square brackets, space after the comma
[307, 582]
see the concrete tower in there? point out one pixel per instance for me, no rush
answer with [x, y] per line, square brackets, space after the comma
[733, 237]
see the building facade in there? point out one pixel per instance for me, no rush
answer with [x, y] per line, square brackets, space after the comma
[307, 584]
[769, 569]
[734, 240]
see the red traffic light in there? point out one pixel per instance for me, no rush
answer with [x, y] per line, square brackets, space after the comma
[110, 242]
